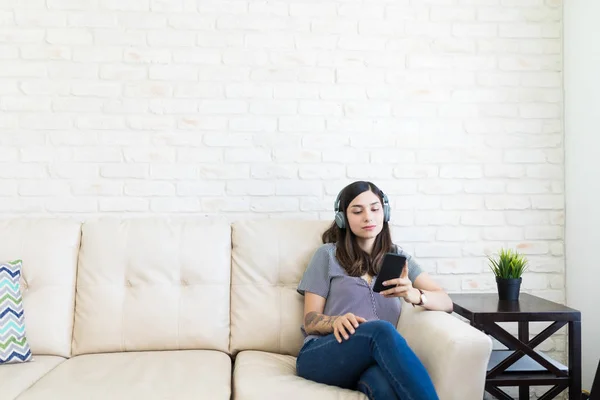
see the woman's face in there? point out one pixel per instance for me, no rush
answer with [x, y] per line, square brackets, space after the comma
[365, 215]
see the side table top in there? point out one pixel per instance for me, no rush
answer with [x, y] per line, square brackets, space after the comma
[528, 307]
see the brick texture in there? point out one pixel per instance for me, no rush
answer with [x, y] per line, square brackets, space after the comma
[266, 108]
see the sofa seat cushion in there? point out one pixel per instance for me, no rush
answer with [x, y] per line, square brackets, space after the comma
[16, 378]
[266, 376]
[185, 374]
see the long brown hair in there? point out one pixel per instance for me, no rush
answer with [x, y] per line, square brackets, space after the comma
[351, 257]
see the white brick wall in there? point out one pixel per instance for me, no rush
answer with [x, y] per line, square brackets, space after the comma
[266, 108]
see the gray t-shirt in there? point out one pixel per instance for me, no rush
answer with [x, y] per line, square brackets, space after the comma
[325, 277]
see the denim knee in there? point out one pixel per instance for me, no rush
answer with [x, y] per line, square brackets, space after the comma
[381, 329]
[379, 324]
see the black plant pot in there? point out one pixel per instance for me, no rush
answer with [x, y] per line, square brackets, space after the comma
[509, 289]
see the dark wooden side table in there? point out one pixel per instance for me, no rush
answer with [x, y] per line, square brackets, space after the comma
[594, 393]
[521, 365]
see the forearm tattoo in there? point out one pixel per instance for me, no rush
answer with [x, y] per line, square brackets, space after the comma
[318, 323]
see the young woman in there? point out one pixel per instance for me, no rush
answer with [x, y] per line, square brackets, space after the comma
[350, 332]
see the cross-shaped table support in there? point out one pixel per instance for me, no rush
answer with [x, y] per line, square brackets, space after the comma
[521, 365]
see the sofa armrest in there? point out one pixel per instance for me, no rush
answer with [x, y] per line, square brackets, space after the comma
[454, 353]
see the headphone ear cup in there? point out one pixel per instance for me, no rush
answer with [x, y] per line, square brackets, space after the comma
[386, 208]
[340, 219]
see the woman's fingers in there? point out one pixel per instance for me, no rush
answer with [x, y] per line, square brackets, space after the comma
[349, 326]
[397, 281]
[404, 273]
[337, 335]
[346, 324]
[342, 329]
[390, 291]
[391, 282]
[396, 291]
[402, 289]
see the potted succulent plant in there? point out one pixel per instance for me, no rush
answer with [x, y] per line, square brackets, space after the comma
[508, 267]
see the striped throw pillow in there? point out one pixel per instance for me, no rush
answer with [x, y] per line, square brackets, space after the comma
[13, 340]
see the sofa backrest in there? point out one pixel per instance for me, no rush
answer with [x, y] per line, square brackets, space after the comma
[153, 284]
[269, 258]
[49, 248]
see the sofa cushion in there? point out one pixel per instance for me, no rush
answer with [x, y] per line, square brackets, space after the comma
[14, 347]
[269, 258]
[49, 249]
[16, 378]
[153, 284]
[188, 374]
[266, 376]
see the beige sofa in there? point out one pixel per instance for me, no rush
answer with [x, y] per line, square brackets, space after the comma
[189, 308]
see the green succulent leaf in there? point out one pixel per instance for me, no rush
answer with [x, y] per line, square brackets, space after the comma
[508, 264]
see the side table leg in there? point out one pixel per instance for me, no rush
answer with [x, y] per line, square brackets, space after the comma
[524, 337]
[574, 339]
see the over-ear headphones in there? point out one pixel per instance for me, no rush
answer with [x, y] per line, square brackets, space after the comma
[340, 216]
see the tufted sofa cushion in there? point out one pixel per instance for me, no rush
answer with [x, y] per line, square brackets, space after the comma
[153, 284]
[269, 258]
[49, 249]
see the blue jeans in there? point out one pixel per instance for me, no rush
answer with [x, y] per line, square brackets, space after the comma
[375, 360]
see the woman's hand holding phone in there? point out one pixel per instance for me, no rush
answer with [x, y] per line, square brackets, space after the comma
[402, 288]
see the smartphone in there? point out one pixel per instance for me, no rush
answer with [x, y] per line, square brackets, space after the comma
[391, 268]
